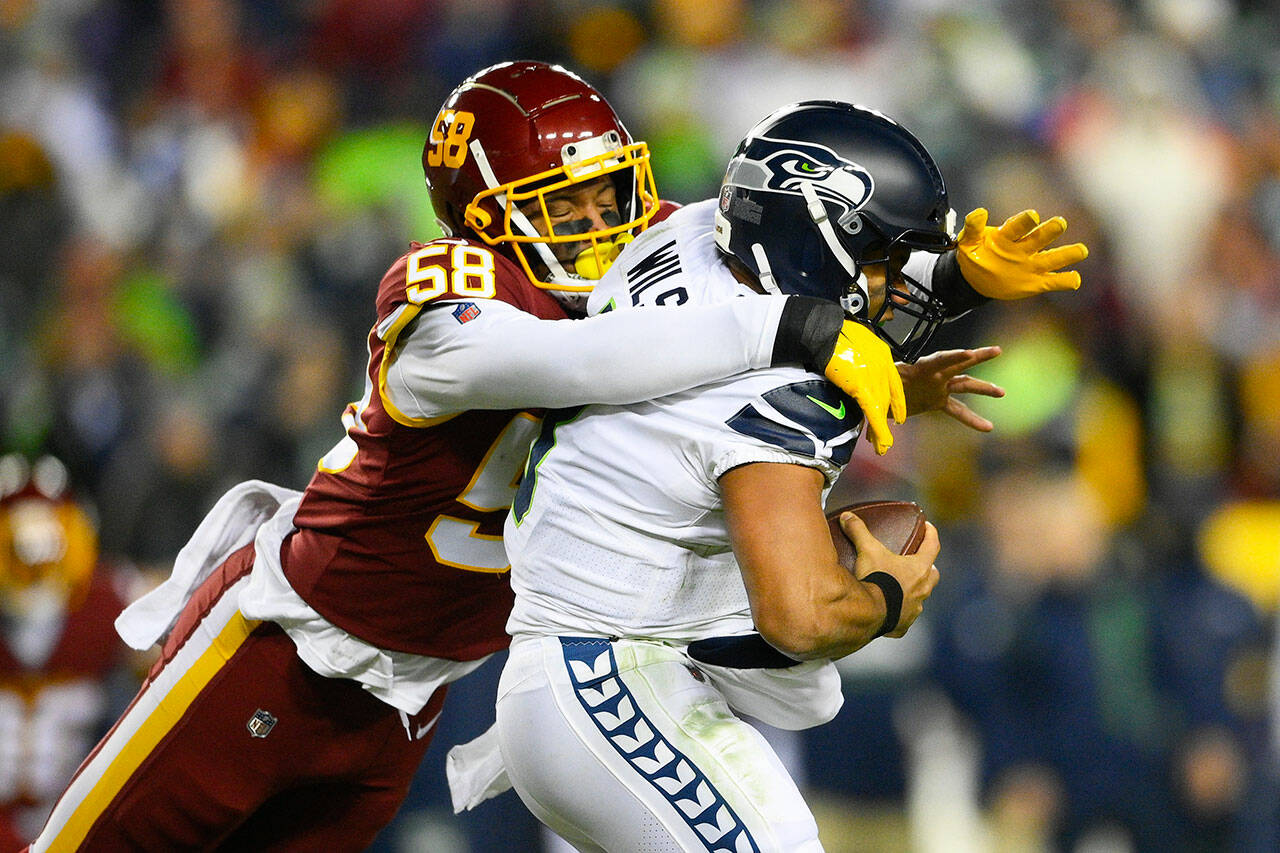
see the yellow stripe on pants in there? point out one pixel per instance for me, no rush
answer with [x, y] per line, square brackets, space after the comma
[152, 730]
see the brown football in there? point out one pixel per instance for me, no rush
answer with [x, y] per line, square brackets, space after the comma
[898, 524]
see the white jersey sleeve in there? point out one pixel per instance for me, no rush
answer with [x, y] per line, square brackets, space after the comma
[506, 358]
[920, 267]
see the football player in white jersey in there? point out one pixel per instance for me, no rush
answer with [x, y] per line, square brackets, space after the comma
[672, 563]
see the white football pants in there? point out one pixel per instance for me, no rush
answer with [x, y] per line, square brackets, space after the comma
[622, 746]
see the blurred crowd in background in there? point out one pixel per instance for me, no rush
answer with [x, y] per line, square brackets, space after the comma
[198, 198]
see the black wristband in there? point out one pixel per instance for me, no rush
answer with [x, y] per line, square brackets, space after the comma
[949, 285]
[892, 599]
[807, 332]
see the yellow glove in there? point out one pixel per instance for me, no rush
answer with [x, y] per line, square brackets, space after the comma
[862, 366]
[1012, 261]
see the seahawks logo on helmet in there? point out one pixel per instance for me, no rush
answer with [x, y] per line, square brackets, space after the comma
[782, 165]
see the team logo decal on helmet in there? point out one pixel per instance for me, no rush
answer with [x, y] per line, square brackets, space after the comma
[834, 179]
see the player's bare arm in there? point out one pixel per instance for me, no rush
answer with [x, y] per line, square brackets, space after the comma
[803, 601]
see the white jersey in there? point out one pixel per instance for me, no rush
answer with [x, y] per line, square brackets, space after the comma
[618, 527]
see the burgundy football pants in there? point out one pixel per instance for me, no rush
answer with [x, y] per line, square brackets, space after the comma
[233, 743]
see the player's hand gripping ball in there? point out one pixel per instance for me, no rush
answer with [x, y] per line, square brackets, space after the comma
[899, 525]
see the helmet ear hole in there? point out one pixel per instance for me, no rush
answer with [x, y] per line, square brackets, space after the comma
[477, 217]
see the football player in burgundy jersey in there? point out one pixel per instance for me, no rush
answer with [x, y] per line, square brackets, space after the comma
[308, 638]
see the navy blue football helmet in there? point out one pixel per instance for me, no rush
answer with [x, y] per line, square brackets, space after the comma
[819, 189]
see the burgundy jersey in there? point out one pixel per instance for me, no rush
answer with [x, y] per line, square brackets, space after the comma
[399, 531]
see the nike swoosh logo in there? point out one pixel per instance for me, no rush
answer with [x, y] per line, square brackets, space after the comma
[426, 727]
[422, 729]
[838, 414]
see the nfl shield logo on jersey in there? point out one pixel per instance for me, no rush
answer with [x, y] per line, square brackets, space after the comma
[261, 723]
[466, 311]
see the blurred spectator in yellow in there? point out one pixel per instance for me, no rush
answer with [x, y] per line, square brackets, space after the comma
[58, 646]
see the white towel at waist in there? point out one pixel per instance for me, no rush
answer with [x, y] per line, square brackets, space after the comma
[230, 525]
[263, 513]
[402, 680]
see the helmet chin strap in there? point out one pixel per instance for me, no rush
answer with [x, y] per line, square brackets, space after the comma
[818, 213]
[767, 281]
[557, 272]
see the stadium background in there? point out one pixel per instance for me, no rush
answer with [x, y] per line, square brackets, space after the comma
[198, 197]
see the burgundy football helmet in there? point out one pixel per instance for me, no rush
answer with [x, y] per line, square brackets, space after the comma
[48, 543]
[511, 134]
